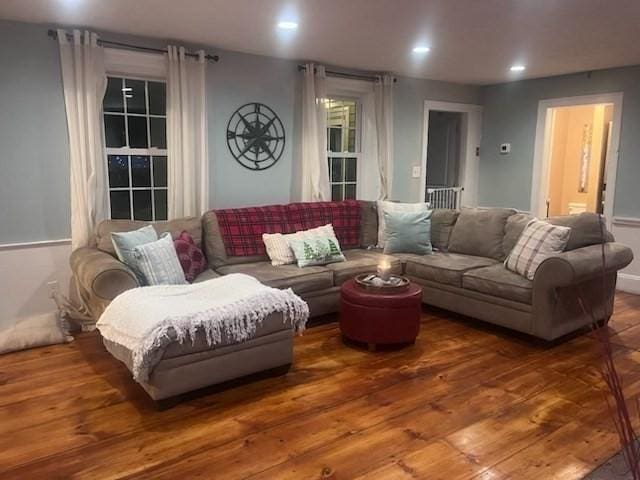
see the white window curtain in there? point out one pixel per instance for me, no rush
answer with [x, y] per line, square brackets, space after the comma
[314, 169]
[188, 165]
[383, 97]
[84, 82]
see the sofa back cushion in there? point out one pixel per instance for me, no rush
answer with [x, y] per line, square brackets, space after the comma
[345, 217]
[368, 224]
[480, 232]
[513, 229]
[241, 229]
[585, 227]
[175, 227]
[442, 222]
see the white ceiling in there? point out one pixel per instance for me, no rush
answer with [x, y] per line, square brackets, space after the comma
[472, 41]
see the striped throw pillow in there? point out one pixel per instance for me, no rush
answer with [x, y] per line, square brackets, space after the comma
[158, 262]
[539, 241]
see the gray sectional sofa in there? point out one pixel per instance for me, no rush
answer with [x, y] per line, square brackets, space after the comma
[465, 275]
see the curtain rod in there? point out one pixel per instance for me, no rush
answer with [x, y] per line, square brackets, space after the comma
[127, 46]
[333, 73]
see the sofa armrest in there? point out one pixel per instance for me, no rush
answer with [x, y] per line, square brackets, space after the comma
[101, 274]
[575, 266]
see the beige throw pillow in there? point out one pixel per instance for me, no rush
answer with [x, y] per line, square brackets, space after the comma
[279, 250]
[35, 331]
[539, 241]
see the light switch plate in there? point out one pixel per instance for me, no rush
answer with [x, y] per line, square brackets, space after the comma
[415, 172]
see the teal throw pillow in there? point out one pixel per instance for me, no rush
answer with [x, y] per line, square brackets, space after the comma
[125, 242]
[408, 232]
[316, 250]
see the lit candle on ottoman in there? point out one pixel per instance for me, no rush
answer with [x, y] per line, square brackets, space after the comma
[384, 270]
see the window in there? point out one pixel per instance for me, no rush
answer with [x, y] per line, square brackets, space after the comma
[135, 124]
[343, 149]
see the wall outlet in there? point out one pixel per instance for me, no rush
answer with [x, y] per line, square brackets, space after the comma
[505, 148]
[53, 287]
[415, 172]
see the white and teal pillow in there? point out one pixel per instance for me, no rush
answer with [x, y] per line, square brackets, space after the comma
[408, 232]
[125, 242]
[316, 250]
[158, 262]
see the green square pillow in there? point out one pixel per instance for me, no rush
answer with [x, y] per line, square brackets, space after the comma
[318, 250]
[408, 232]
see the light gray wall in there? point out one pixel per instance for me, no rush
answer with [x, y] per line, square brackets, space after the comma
[409, 97]
[34, 160]
[510, 116]
[239, 79]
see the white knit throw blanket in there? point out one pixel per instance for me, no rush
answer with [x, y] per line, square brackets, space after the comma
[232, 307]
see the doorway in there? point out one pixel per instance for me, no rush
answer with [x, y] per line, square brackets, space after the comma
[443, 149]
[580, 140]
[450, 151]
[576, 155]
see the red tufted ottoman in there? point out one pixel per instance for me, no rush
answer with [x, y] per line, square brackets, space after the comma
[380, 318]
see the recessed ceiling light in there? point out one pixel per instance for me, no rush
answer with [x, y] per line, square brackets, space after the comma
[421, 49]
[517, 68]
[287, 25]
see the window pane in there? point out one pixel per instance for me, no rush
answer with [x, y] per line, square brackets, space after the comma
[160, 204]
[158, 132]
[157, 98]
[136, 102]
[142, 205]
[113, 101]
[350, 174]
[336, 170]
[114, 131]
[140, 171]
[350, 191]
[336, 192]
[137, 132]
[351, 141]
[120, 207]
[335, 140]
[118, 171]
[159, 172]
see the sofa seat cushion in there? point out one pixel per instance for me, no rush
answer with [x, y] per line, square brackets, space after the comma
[361, 261]
[498, 281]
[443, 267]
[208, 274]
[300, 280]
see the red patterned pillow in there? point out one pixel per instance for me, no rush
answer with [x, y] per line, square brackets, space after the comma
[242, 228]
[344, 216]
[191, 257]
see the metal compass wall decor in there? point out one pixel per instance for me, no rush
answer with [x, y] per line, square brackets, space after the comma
[255, 136]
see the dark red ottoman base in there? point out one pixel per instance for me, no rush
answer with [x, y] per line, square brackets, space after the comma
[375, 318]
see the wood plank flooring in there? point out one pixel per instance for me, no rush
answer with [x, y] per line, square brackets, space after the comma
[467, 401]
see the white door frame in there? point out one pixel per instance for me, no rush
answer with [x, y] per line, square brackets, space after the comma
[542, 150]
[470, 134]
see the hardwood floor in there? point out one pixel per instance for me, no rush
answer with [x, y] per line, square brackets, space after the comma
[466, 401]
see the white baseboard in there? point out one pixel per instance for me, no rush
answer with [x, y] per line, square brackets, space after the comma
[628, 283]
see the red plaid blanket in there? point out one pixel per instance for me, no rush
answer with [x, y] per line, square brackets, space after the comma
[344, 216]
[242, 228]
